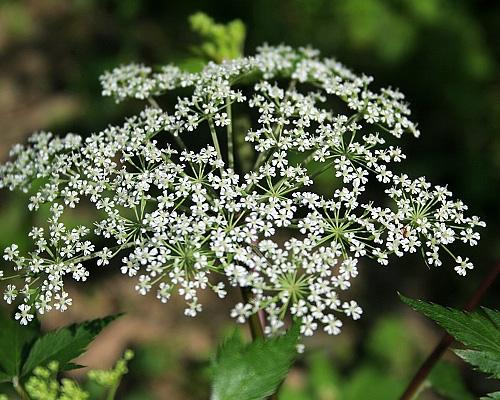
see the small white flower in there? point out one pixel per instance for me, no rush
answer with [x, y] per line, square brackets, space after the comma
[463, 264]
[62, 301]
[182, 219]
[332, 325]
[104, 256]
[24, 316]
[10, 253]
[241, 312]
[352, 309]
[10, 293]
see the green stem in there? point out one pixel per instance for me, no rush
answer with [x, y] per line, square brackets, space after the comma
[214, 138]
[97, 254]
[230, 146]
[6, 278]
[19, 389]
[304, 162]
[153, 103]
[254, 323]
[179, 142]
[260, 160]
[112, 391]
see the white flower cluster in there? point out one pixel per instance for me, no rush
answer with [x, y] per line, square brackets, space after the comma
[185, 220]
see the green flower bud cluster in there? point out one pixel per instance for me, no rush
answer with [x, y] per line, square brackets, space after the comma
[45, 385]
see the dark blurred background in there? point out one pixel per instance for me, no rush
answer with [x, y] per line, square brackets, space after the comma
[443, 54]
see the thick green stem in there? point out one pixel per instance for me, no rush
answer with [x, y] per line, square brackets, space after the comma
[112, 391]
[418, 380]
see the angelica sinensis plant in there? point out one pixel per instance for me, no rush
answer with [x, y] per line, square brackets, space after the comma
[189, 206]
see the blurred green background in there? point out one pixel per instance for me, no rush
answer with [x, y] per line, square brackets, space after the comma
[443, 54]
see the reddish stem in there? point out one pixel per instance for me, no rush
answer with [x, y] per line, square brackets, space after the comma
[424, 370]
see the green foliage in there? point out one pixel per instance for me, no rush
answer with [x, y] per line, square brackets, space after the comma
[382, 373]
[455, 35]
[324, 378]
[381, 345]
[485, 361]
[17, 20]
[389, 357]
[221, 42]
[492, 396]
[15, 344]
[44, 385]
[252, 371]
[65, 344]
[23, 348]
[15, 221]
[478, 331]
[368, 379]
[376, 19]
[445, 379]
[155, 359]
[109, 380]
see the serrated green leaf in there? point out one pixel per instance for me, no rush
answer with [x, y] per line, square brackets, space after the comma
[491, 396]
[15, 341]
[252, 371]
[446, 380]
[65, 344]
[474, 329]
[484, 361]
[494, 315]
